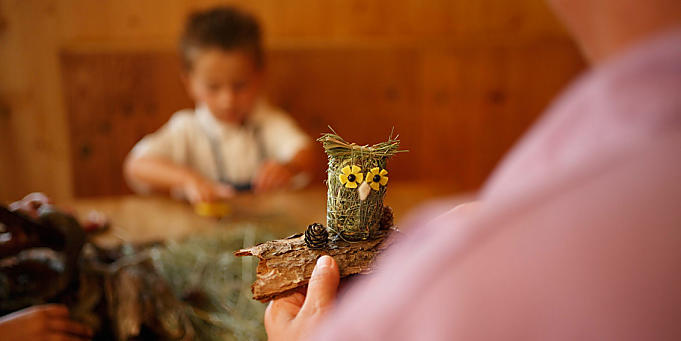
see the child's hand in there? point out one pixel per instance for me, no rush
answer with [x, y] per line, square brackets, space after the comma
[272, 175]
[198, 189]
[43, 322]
[30, 204]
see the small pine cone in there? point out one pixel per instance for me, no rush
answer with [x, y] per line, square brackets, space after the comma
[316, 236]
[386, 218]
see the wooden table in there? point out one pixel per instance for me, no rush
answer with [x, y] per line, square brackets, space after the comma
[147, 218]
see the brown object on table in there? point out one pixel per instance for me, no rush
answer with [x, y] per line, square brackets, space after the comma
[287, 264]
[387, 219]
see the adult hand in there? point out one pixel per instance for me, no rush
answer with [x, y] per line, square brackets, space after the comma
[30, 204]
[272, 175]
[199, 189]
[43, 322]
[295, 316]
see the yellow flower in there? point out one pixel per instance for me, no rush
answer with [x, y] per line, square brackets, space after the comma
[376, 177]
[351, 176]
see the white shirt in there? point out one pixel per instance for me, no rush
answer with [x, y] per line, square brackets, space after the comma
[224, 151]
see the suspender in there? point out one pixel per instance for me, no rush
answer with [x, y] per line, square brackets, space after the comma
[216, 149]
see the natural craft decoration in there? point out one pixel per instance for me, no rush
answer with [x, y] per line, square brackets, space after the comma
[358, 225]
[316, 236]
[377, 177]
[355, 214]
[386, 218]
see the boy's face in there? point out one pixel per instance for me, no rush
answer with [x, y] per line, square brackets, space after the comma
[228, 82]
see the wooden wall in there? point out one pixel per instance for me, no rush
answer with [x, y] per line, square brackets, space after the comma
[460, 80]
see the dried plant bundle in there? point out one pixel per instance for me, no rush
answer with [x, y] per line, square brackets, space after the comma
[349, 215]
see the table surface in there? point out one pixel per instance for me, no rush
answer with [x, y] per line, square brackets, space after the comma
[149, 218]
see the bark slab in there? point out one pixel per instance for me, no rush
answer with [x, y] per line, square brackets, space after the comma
[286, 264]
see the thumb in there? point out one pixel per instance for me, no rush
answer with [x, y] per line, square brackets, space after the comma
[321, 291]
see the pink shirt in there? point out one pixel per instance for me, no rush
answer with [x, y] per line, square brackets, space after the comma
[578, 236]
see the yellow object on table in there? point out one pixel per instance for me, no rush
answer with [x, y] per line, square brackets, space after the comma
[212, 209]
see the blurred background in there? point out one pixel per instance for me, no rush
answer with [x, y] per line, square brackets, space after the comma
[82, 81]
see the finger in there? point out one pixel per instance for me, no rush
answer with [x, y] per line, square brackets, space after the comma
[192, 195]
[282, 180]
[471, 206]
[257, 182]
[321, 291]
[267, 181]
[36, 199]
[224, 191]
[276, 178]
[54, 310]
[69, 327]
[57, 336]
[261, 184]
[284, 309]
[206, 194]
[193, 199]
[264, 175]
[302, 290]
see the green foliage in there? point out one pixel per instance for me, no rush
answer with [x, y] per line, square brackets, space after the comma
[214, 284]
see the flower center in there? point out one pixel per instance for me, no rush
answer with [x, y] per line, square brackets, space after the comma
[351, 177]
[377, 178]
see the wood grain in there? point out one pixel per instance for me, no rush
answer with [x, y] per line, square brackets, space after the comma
[479, 101]
[113, 100]
[286, 264]
[457, 110]
[476, 73]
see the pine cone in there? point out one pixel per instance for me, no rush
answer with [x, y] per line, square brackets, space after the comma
[316, 236]
[386, 218]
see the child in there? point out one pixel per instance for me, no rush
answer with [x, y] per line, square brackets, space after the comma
[233, 140]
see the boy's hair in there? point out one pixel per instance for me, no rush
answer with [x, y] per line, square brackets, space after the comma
[226, 28]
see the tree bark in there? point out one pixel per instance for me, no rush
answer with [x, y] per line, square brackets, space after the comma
[286, 264]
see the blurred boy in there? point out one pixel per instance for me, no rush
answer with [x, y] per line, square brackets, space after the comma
[233, 140]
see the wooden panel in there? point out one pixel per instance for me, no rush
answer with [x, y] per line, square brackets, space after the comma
[35, 144]
[479, 101]
[315, 20]
[361, 93]
[8, 189]
[457, 110]
[113, 100]
[401, 42]
[408, 19]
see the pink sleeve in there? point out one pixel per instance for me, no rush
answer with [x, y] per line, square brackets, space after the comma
[594, 256]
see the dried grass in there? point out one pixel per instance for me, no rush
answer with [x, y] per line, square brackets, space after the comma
[213, 284]
[347, 216]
